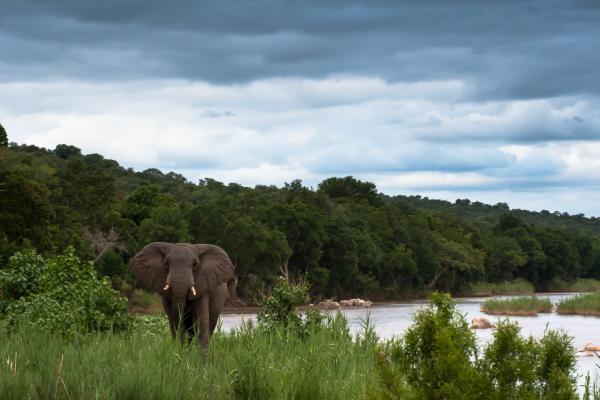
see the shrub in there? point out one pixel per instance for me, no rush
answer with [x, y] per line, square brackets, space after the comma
[61, 295]
[279, 309]
[439, 358]
[437, 353]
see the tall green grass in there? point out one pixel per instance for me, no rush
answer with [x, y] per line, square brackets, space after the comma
[524, 306]
[517, 286]
[577, 286]
[585, 304]
[248, 363]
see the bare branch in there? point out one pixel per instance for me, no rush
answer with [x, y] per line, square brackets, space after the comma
[102, 242]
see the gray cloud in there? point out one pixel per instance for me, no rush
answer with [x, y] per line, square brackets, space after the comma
[491, 98]
[509, 49]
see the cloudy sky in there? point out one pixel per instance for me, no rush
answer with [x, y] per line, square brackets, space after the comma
[492, 101]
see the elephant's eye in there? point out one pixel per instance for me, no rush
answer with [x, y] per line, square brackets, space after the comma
[167, 263]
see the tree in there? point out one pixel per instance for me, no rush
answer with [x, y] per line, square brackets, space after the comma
[84, 193]
[165, 224]
[3, 137]
[140, 202]
[24, 211]
[304, 229]
[349, 187]
[65, 151]
[256, 250]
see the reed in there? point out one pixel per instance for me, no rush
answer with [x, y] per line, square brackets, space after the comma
[585, 304]
[517, 306]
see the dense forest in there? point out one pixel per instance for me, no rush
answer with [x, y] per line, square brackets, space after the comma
[343, 236]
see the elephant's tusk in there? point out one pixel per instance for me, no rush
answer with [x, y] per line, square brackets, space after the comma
[193, 291]
[167, 286]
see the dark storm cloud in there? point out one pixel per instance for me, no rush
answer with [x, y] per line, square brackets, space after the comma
[509, 49]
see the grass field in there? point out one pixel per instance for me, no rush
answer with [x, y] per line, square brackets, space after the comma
[516, 287]
[147, 364]
[585, 304]
[518, 306]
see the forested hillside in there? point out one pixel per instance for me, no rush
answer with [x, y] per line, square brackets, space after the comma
[343, 235]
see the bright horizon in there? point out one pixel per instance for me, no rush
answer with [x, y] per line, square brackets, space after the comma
[495, 102]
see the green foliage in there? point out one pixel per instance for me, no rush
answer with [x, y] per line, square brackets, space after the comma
[145, 363]
[279, 309]
[346, 237]
[165, 224]
[586, 304]
[530, 305]
[439, 358]
[59, 295]
[517, 286]
[438, 353]
[579, 285]
[3, 137]
[111, 265]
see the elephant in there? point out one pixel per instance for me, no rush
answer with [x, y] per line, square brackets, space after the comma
[193, 281]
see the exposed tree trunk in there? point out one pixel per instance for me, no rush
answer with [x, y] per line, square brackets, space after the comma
[283, 268]
[441, 269]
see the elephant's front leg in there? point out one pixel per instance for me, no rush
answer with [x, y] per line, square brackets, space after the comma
[201, 319]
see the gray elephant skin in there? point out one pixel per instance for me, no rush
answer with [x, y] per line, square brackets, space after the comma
[193, 280]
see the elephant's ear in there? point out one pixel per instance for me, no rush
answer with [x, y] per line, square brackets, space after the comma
[149, 267]
[214, 269]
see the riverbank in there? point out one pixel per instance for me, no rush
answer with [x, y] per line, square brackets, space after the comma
[142, 302]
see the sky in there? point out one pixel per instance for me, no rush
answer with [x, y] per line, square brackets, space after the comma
[491, 101]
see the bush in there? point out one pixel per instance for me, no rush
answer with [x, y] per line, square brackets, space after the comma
[279, 309]
[438, 353]
[61, 295]
[439, 359]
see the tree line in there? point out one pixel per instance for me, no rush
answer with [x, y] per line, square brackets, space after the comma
[344, 236]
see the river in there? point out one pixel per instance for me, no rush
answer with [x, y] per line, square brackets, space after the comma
[393, 319]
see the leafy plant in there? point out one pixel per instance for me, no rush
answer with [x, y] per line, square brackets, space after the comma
[61, 294]
[280, 309]
[439, 359]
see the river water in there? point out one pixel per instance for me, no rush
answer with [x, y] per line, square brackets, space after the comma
[392, 319]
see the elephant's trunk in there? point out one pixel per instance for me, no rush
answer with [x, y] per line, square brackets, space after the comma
[181, 283]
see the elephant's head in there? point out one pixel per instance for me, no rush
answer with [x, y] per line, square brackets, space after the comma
[182, 271]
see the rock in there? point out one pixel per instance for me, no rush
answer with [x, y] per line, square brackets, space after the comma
[358, 303]
[585, 353]
[329, 305]
[481, 323]
[590, 348]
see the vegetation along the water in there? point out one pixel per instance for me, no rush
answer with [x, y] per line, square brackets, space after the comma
[287, 355]
[523, 306]
[585, 304]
